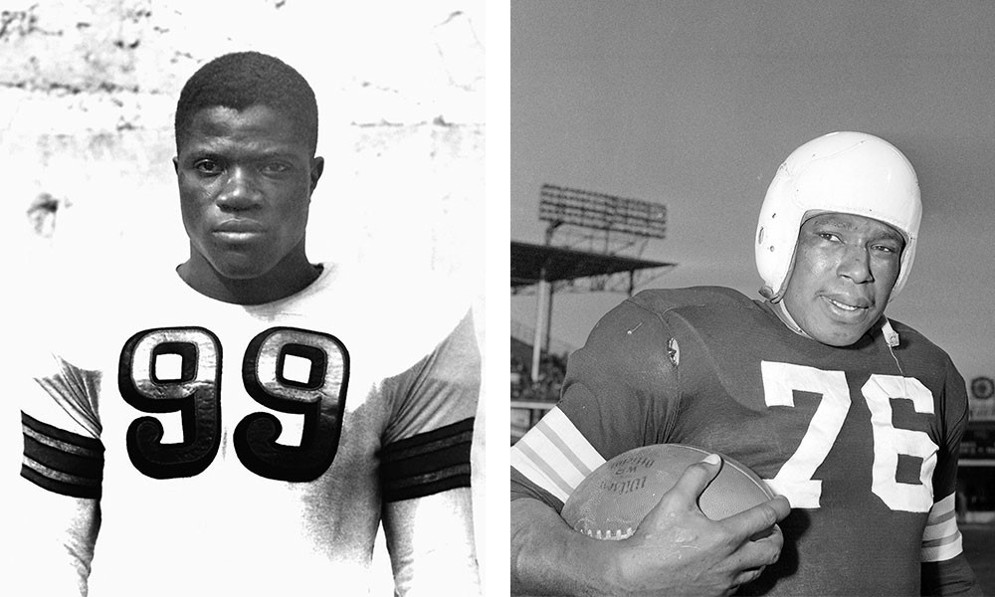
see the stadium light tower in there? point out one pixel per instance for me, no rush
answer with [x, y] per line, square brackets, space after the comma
[612, 218]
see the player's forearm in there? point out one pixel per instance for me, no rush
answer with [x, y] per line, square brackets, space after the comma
[550, 558]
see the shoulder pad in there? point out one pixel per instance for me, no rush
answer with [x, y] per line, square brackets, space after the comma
[666, 299]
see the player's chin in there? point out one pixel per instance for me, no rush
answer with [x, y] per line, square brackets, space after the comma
[240, 266]
[839, 333]
[836, 327]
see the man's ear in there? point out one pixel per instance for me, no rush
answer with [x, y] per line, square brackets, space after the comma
[317, 167]
[176, 164]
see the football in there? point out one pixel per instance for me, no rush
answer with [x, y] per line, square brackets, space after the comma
[612, 501]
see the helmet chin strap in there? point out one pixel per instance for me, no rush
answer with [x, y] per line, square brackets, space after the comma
[787, 319]
[890, 335]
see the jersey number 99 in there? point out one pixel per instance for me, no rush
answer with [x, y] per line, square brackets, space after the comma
[196, 394]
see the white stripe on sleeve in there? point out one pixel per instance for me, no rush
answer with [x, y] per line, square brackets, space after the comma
[941, 539]
[555, 455]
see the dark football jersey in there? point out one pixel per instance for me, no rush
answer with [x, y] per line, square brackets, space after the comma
[862, 440]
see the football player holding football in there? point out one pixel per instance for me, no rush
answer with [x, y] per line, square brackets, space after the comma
[853, 419]
[250, 421]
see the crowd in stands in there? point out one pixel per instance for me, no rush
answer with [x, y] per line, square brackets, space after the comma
[546, 388]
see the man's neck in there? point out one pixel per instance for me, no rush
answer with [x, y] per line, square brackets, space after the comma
[282, 281]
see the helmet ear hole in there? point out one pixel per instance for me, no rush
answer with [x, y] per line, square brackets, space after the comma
[760, 236]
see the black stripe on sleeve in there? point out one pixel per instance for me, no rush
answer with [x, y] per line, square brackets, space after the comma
[61, 461]
[427, 463]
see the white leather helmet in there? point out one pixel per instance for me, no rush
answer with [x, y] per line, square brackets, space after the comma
[843, 172]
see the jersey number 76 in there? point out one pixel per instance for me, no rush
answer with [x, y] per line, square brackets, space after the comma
[196, 395]
[795, 478]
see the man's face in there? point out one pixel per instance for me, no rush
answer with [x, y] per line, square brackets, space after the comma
[845, 267]
[245, 180]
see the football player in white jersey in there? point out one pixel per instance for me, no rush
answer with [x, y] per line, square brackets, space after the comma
[853, 419]
[245, 424]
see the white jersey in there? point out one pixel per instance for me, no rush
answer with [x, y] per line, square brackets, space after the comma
[249, 449]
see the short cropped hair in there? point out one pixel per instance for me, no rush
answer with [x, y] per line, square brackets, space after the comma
[241, 80]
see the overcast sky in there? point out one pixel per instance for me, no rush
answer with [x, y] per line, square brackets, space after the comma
[694, 105]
